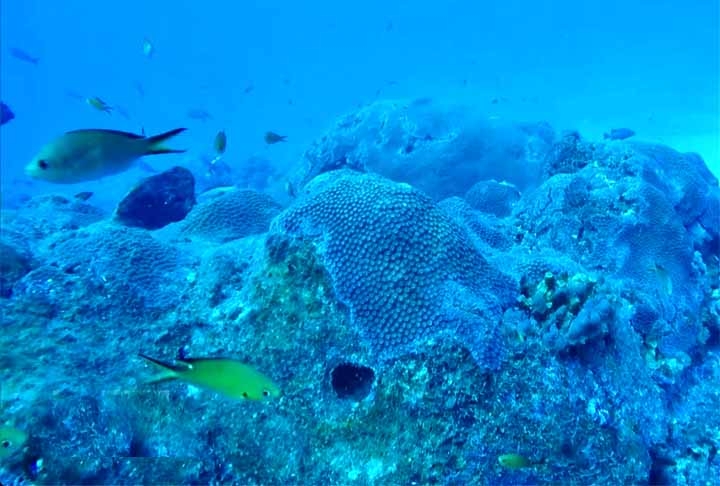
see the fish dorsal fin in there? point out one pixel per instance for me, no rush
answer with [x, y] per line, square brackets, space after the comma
[119, 133]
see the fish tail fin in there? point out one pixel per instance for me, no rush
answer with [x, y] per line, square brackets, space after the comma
[155, 143]
[168, 372]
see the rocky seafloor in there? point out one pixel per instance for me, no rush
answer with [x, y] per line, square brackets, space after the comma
[439, 291]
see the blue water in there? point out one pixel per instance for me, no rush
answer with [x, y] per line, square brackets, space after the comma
[649, 65]
[580, 277]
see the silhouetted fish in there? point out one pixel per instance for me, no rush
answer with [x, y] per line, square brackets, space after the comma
[6, 114]
[619, 134]
[22, 55]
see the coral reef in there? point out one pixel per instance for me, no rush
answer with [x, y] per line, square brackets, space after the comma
[228, 214]
[421, 319]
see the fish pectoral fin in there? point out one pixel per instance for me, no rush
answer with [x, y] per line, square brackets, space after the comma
[162, 378]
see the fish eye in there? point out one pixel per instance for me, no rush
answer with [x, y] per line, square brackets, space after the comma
[266, 393]
[5, 444]
[245, 395]
[43, 164]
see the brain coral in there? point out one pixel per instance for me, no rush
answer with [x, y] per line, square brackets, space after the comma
[121, 269]
[230, 215]
[407, 272]
[44, 215]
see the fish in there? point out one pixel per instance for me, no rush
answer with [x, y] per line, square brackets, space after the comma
[290, 189]
[199, 114]
[122, 112]
[22, 55]
[86, 155]
[140, 89]
[6, 114]
[220, 142]
[513, 461]
[11, 441]
[227, 377]
[83, 196]
[272, 137]
[664, 279]
[71, 93]
[97, 103]
[148, 48]
[618, 134]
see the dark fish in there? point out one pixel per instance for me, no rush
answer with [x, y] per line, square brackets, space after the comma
[619, 134]
[220, 142]
[422, 101]
[83, 196]
[199, 114]
[6, 114]
[18, 53]
[272, 137]
[249, 88]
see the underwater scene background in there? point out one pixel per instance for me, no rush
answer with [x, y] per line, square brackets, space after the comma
[380, 243]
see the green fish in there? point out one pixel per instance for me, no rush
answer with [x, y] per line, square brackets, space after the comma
[225, 376]
[11, 441]
[513, 461]
[86, 155]
[99, 104]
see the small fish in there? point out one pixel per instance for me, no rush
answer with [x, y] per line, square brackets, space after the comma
[290, 189]
[199, 114]
[664, 278]
[83, 196]
[140, 89]
[225, 376]
[11, 441]
[220, 142]
[513, 461]
[97, 103]
[249, 88]
[22, 55]
[272, 137]
[145, 167]
[618, 134]
[85, 155]
[122, 112]
[6, 114]
[148, 48]
[71, 93]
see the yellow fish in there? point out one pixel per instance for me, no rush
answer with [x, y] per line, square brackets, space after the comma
[11, 441]
[99, 104]
[225, 376]
[85, 155]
